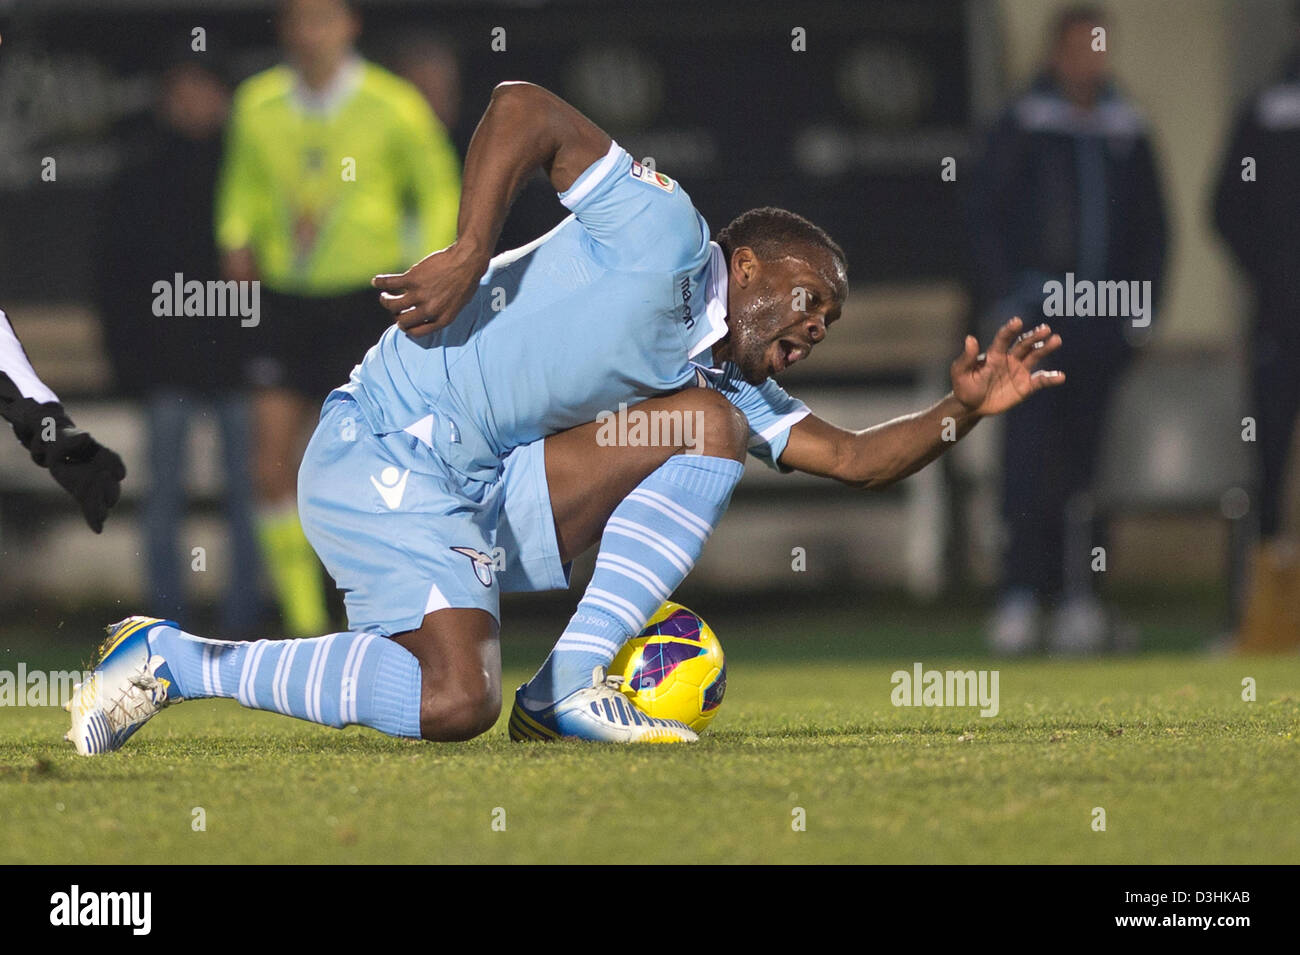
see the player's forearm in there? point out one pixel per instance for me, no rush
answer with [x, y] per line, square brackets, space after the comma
[34, 422]
[525, 128]
[881, 455]
[25, 401]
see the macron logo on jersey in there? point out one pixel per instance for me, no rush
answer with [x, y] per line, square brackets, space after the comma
[646, 174]
[391, 486]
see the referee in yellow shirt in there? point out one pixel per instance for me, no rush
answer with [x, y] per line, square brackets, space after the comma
[329, 160]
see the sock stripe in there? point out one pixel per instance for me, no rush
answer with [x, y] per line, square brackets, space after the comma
[614, 599]
[591, 637]
[207, 670]
[248, 675]
[639, 532]
[347, 685]
[645, 585]
[350, 688]
[347, 669]
[372, 638]
[326, 643]
[275, 679]
[257, 666]
[585, 648]
[612, 603]
[356, 680]
[633, 565]
[569, 640]
[243, 675]
[284, 676]
[640, 573]
[674, 511]
[241, 693]
[215, 663]
[277, 702]
[344, 685]
[313, 670]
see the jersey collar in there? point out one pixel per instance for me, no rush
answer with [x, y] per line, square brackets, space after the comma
[336, 92]
[714, 327]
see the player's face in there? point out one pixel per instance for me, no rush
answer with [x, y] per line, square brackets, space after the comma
[193, 102]
[317, 32]
[779, 309]
[1081, 69]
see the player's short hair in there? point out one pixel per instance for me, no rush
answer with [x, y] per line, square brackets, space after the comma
[770, 232]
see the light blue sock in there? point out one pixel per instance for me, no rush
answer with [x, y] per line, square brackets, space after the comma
[337, 680]
[650, 544]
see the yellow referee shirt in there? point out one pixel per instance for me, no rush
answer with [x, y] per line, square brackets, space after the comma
[321, 185]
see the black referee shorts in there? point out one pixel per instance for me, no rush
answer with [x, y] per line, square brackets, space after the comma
[309, 344]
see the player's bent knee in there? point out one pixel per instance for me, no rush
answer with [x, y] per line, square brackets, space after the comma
[456, 714]
[725, 432]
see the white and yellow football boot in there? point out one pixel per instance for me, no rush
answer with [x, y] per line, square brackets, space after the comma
[599, 713]
[127, 687]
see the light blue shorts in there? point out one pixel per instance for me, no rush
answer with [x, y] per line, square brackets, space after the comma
[404, 535]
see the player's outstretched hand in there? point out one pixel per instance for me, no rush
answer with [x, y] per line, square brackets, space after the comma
[431, 293]
[88, 471]
[1006, 374]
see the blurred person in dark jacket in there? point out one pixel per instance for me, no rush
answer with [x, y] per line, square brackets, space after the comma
[1065, 191]
[1257, 211]
[430, 64]
[159, 225]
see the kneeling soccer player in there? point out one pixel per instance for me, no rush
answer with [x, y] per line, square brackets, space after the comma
[495, 418]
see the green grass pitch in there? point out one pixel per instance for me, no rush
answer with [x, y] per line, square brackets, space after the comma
[1185, 770]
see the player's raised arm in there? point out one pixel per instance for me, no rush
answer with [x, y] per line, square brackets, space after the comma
[524, 128]
[982, 385]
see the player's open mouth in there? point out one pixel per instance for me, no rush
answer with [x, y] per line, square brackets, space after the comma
[787, 353]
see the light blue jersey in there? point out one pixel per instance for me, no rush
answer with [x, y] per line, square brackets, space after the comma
[610, 306]
[424, 486]
[771, 412]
